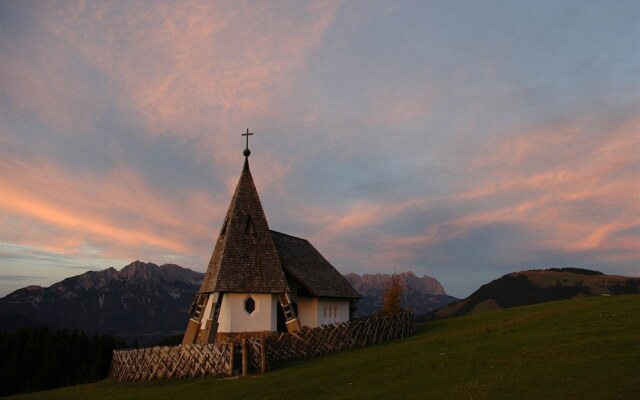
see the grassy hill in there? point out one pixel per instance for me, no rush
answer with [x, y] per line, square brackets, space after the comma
[586, 348]
[539, 286]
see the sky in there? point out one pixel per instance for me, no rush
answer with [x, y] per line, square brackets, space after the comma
[457, 139]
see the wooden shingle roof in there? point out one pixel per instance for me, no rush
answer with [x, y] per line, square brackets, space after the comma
[245, 258]
[249, 257]
[306, 266]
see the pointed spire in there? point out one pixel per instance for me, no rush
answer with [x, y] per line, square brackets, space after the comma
[245, 258]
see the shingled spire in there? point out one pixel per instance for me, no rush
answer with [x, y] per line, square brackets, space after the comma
[245, 258]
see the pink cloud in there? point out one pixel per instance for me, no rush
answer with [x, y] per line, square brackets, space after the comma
[571, 190]
[114, 215]
[41, 86]
[25, 205]
[185, 69]
[577, 171]
[199, 72]
[359, 215]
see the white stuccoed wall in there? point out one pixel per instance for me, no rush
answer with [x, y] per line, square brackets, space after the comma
[307, 311]
[312, 312]
[331, 311]
[233, 317]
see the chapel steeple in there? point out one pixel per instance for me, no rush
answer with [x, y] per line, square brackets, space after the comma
[245, 260]
[259, 280]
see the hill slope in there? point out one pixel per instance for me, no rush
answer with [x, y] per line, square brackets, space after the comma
[576, 349]
[539, 286]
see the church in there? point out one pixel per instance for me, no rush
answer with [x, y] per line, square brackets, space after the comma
[261, 281]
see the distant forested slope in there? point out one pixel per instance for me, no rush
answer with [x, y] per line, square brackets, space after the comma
[39, 358]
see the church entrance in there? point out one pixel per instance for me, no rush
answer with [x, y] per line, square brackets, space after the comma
[282, 322]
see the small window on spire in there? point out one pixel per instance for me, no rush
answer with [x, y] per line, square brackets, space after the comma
[249, 228]
[224, 227]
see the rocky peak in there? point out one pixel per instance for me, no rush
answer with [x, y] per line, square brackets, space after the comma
[368, 282]
[138, 270]
[142, 301]
[422, 294]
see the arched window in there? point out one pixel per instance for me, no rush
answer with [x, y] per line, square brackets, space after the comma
[249, 228]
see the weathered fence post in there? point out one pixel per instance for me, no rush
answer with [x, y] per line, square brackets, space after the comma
[245, 361]
[232, 351]
[263, 355]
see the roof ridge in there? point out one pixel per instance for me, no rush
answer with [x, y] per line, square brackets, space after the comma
[291, 236]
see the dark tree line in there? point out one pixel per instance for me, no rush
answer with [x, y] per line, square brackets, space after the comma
[39, 358]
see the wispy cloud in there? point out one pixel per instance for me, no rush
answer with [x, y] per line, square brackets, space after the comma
[192, 69]
[117, 213]
[21, 278]
[400, 109]
[583, 197]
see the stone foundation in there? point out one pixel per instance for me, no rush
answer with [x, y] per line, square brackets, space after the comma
[236, 337]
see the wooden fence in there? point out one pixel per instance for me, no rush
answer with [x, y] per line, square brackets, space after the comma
[346, 335]
[258, 354]
[173, 362]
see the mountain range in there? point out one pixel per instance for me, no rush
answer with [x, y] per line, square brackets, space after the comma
[145, 303]
[141, 302]
[423, 294]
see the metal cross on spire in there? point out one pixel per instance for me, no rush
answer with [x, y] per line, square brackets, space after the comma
[246, 151]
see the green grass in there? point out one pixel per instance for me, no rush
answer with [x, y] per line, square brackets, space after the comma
[585, 348]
